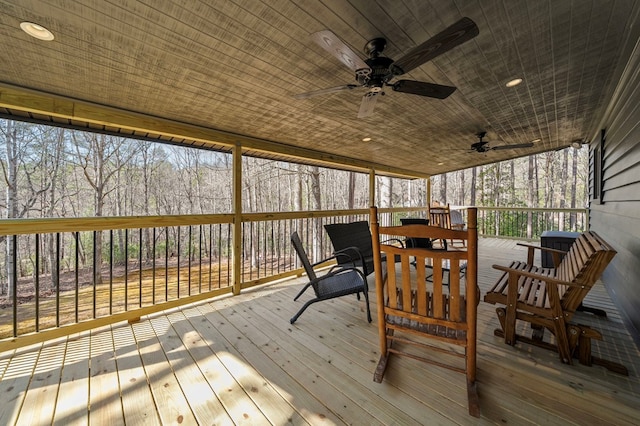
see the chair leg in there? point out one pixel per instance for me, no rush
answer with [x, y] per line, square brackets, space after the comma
[306, 305]
[302, 291]
[382, 365]
[562, 341]
[472, 398]
[366, 301]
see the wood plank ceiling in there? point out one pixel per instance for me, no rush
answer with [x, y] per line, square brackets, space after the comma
[234, 66]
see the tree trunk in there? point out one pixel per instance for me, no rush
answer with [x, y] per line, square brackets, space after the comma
[530, 195]
[316, 195]
[563, 187]
[574, 184]
[351, 202]
[472, 195]
[11, 176]
[443, 188]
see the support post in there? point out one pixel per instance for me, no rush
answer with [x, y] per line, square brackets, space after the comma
[236, 276]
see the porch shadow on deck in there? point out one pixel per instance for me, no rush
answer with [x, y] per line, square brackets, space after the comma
[238, 360]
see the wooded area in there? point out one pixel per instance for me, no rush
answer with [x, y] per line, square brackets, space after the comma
[56, 172]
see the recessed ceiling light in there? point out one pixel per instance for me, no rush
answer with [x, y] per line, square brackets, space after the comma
[366, 139]
[440, 163]
[536, 140]
[37, 31]
[514, 82]
[577, 144]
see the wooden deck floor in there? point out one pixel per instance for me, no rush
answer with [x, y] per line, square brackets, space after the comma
[237, 360]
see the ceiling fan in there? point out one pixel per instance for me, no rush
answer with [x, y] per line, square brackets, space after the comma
[378, 71]
[483, 146]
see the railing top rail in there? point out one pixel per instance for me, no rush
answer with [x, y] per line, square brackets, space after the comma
[254, 217]
[523, 209]
[53, 225]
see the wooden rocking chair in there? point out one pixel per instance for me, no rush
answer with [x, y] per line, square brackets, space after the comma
[547, 298]
[412, 309]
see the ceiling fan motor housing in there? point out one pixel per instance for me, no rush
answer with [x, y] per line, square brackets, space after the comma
[379, 74]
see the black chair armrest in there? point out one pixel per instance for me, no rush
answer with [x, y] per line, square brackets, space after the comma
[345, 253]
[334, 256]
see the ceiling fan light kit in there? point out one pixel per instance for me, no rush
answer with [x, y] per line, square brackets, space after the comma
[377, 71]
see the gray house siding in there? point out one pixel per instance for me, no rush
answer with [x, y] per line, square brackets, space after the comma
[615, 191]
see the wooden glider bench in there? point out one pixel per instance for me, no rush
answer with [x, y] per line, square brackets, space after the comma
[547, 298]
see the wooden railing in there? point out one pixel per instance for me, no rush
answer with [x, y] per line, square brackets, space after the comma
[67, 275]
[528, 223]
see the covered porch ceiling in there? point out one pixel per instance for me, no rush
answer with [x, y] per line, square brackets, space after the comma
[214, 74]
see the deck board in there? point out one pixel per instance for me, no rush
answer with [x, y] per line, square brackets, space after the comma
[73, 391]
[137, 401]
[237, 360]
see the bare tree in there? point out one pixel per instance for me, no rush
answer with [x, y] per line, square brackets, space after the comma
[21, 167]
[100, 157]
[474, 175]
[352, 191]
[574, 184]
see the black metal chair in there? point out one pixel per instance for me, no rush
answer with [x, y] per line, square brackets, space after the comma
[416, 242]
[352, 241]
[339, 281]
[427, 243]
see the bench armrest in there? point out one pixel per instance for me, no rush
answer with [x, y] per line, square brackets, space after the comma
[541, 277]
[554, 253]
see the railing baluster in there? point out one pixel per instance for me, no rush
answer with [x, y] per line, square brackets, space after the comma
[200, 259]
[166, 264]
[37, 282]
[95, 272]
[57, 279]
[178, 270]
[153, 267]
[76, 277]
[111, 272]
[14, 283]
[126, 269]
[140, 268]
[189, 254]
[229, 254]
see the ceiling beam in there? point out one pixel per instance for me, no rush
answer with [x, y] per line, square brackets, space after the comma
[32, 101]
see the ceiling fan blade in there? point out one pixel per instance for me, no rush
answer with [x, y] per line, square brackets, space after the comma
[431, 90]
[332, 44]
[313, 93]
[458, 33]
[368, 104]
[514, 146]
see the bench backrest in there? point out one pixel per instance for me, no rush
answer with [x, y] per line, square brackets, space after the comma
[584, 263]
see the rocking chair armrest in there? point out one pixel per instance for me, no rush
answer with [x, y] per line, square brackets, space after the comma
[541, 277]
